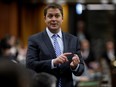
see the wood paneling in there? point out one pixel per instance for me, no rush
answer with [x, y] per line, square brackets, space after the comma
[25, 20]
[8, 19]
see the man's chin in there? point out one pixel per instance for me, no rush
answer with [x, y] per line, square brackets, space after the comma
[54, 28]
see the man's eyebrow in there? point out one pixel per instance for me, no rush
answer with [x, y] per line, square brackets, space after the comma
[53, 13]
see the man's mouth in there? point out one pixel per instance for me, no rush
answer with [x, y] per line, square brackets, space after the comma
[53, 24]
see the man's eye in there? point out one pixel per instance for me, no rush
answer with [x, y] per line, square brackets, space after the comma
[57, 16]
[50, 16]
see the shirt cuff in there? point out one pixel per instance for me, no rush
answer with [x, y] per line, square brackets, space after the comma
[52, 65]
[76, 68]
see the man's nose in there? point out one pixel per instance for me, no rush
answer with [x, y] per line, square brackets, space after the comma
[53, 18]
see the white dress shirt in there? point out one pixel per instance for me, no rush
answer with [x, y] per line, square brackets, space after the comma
[60, 41]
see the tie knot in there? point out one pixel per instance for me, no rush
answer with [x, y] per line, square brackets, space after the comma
[55, 36]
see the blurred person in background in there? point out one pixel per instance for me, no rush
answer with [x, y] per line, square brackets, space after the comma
[13, 48]
[21, 55]
[13, 75]
[91, 71]
[5, 49]
[109, 53]
[81, 32]
[44, 80]
[42, 55]
[12, 43]
[87, 53]
[91, 62]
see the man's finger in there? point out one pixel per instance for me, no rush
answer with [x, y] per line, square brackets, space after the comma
[66, 54]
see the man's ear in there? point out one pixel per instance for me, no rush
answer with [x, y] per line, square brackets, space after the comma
[45, 19]
[62, 18]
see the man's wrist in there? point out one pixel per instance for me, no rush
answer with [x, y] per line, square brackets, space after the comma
[74, 68]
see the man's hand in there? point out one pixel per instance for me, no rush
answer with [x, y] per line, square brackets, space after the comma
[61, 59]
[75, 61]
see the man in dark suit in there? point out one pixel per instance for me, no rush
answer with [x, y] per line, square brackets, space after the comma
[87, 53]
[42, 54]
[109, 52]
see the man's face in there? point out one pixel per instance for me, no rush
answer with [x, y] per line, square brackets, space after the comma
[53, 19]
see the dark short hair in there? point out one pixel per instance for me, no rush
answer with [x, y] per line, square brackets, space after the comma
[12, 74]
[53, 5]
[43, 80]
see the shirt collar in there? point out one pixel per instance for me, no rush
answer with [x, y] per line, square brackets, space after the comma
[50, 34]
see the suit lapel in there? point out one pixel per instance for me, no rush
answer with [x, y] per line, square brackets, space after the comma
[48, 43]
[65, 42]
[66, 46]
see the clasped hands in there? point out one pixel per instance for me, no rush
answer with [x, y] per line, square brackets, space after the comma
[63, 58]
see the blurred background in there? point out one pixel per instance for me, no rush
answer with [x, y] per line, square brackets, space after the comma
[93, 21]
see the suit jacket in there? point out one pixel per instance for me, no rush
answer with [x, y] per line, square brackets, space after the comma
[40, 53]
[106, 57]
[90, 58]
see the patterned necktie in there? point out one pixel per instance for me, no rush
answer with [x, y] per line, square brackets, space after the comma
[57, 51]
[56, 45]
